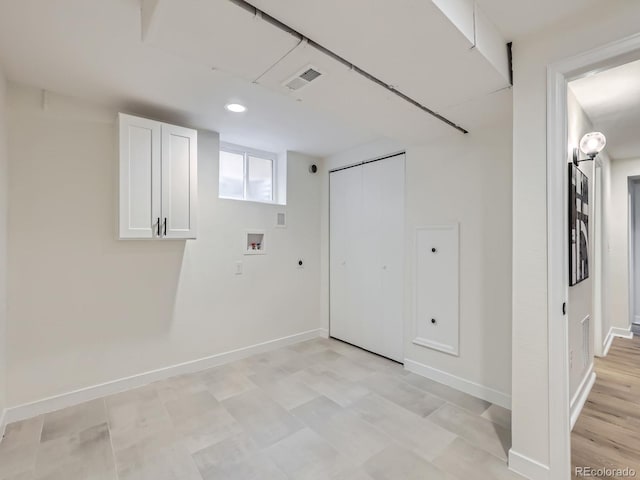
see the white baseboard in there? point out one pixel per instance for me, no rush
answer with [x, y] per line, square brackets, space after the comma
[324, 333]
[580, 397]
[51, 404]
[462, 384]
[527, 467]
[607, 343]
[615, 332]
[3, 422]
[621, 332]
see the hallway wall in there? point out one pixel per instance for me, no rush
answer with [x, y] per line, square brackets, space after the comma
[532, 55]
[581, 295]
[617, 214]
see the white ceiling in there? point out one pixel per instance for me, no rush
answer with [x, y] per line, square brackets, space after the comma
[198, 55]
[611, 99]
[516, 18]
[92, 49]
[410, 44]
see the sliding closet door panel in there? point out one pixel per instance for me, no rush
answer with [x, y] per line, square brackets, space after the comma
[383, 226]
[371, 274]
[345, 211]
[391, 245]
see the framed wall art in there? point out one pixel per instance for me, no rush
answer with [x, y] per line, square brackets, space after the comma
[578, 225]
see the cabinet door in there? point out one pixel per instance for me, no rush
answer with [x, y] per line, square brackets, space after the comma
[179, 182]
[140, 153]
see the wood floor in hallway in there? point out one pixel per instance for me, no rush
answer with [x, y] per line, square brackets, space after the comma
[607, 434]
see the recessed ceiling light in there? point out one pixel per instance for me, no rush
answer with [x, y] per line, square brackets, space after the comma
[235, 108]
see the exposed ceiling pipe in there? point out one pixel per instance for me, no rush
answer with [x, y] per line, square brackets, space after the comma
[286, 28]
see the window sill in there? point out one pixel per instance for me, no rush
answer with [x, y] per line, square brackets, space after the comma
[260, 202]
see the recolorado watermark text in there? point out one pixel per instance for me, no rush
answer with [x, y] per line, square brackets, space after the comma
[587, 472]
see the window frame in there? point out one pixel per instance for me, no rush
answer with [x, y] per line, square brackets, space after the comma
[247, 152]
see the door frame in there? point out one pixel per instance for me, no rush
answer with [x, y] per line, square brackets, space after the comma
[597, 249]
[632, 254]
[558, 76]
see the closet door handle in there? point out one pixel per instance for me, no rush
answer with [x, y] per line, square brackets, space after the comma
[165, 227]
[158, 226]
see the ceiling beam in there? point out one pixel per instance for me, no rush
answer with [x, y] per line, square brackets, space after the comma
[283, 26]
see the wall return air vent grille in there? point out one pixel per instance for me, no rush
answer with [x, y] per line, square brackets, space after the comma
[302, 78]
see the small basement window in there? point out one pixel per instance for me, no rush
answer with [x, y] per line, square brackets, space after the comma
[247, 174]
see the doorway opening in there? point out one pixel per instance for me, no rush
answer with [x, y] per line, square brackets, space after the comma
[634, 253]
[561, 357]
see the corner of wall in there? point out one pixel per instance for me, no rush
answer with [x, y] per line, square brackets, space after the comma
[527, 467]
[3, 248]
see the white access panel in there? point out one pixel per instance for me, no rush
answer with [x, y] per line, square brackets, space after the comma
[437, 288]
[367, 256]
[140, 157]
[179, 182]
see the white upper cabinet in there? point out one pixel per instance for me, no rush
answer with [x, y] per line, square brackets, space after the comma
[140, 158]
[158, 180]
[179, 181]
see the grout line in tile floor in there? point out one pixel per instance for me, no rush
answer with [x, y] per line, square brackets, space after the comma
[319, 409]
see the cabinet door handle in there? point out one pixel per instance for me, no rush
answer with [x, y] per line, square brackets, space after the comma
[165, 227]
[158, 226]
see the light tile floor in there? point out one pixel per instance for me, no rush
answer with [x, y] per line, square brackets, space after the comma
[320, 409]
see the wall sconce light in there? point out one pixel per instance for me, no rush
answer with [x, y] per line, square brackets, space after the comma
[591, 145]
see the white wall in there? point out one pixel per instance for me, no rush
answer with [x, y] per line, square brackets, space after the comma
[530, 393]
[580, 303]
[465, 179]
[86, 308]
[617, 212]
[4, 205]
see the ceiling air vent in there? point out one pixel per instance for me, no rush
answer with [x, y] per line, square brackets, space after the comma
[302, 78]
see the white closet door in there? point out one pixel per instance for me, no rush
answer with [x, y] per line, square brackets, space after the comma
[367, 234]
[179, 182]
[371, 273]
[345, 264]
[140, 156]
[387, 205]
